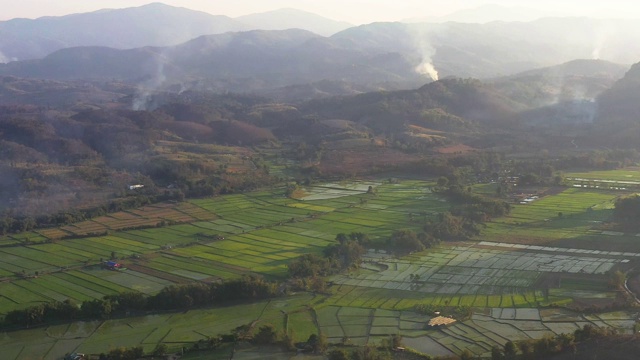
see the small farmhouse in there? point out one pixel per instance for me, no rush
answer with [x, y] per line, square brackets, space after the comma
[112, 265]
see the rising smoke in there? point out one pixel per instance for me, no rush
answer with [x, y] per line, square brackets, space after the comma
[5, 59]
[422, 43]
[602, 34]
[427, 68]
[143, 99]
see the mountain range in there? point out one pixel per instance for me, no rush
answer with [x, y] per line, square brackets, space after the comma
[460, 49]
[395, 54]
[488, 13]
[283, 19]
[583, 103]
[516, 62]
[155, 24]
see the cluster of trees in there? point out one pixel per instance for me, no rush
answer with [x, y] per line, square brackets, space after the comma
[477, 207]
[308, 269]
[226, 183]
[463, 220]
[266, 334]
[66, 310]
[404, 241]
[174, 297]
[549, 345]
[362, 353]
[627, 211]
[200, 294]
[382, 352]
[15, 223]
[543, 169]
[132, 353]
[449, 227]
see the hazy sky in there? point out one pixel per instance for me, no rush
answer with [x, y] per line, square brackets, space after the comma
[354, 11]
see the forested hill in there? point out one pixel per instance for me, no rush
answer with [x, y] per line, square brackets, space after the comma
[446, 105]
[203, 143]
[620, 103]
[91, 140]
[374, 56]
[618, 116]
[238, 62]
[154, 24]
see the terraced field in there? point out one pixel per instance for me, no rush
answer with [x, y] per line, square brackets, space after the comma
[176, 330]
[504, 275]
[349, 325]
[218, 238]
[479, 275]
[571, 219]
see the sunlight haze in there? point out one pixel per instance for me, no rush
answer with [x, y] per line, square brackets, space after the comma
[353, 11]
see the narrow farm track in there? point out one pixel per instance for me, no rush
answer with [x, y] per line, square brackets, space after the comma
[159, 274]
[628, 288]
[471, 335]
[370, 324]
[490, 334]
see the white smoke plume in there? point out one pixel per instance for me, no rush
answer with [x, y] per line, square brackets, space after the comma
[603, 33]
[5, 59]
[143, 99]
[425, 50]
[427, 68]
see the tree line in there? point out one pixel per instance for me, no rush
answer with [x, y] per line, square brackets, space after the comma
[16, 223]
[627, 211]
[461, 222]
[548, 345]
[175, 297]
[307, 270]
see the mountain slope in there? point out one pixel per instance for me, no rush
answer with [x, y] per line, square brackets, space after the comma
[488, 13]
[240, 62]
[618, 117]
[502, 48]
[379, 55]
[283, 19]
[150, 25]
[451, 106]
[577, 80]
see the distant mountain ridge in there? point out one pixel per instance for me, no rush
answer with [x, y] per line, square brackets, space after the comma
[620, 105]
[386, 56]
[573, 81]
[284, 19]
[240, 62]
[155, 24]
[580, 67]
[501, 48]
[488, 13]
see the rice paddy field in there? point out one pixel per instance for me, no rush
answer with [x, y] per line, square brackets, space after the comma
[217, 238]
[572, 218]
[476, 275]
[175, 330]
[341, 324]
[630, 175]
[503, 275]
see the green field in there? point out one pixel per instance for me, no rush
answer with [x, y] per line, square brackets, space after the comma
[500, 274]
[355, 325]
[628, 174]
[247, 233]
[564, 218]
